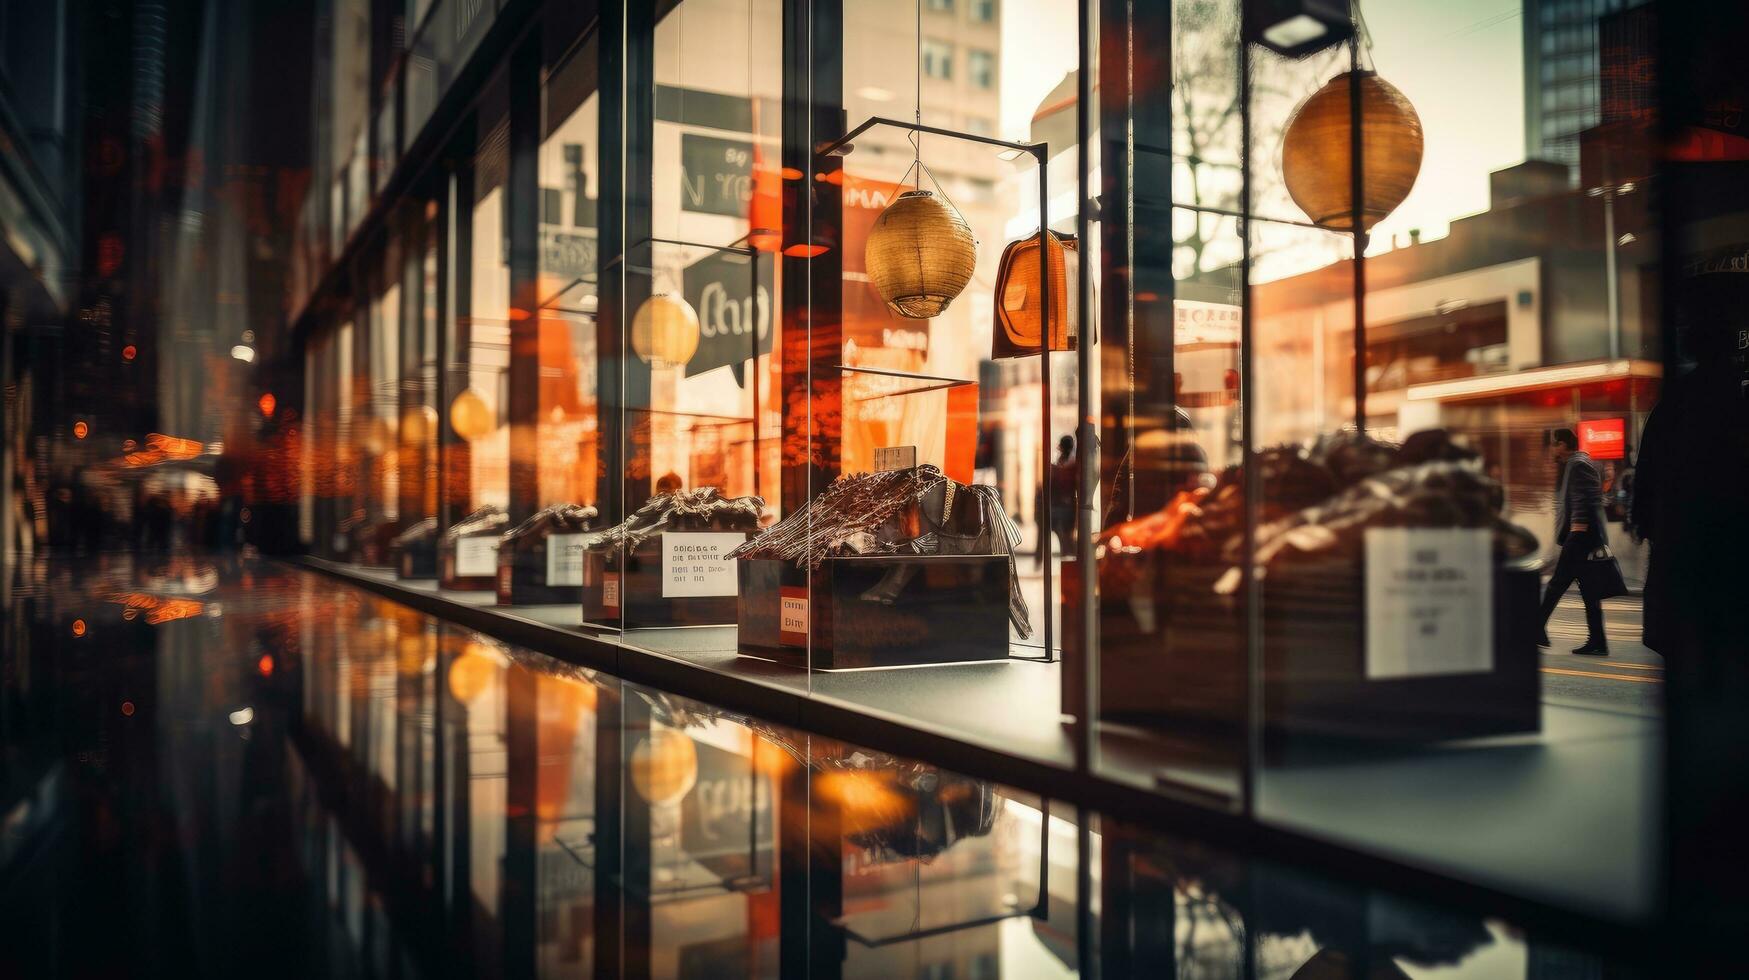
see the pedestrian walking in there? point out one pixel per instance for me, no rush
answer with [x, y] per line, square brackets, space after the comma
[1065, 479]
[1580, 533]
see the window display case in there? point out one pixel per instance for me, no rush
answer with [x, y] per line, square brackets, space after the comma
[1088, 375]
[414, 551]
[467, 553]
[901, 567]
[540, 561]
[668, 564]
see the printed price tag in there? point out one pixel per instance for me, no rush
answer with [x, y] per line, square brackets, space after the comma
[565, 559]
[475, 557]
[792, 622]
[694, 563]
[895, 458]
[1429, 602]
[610, 590]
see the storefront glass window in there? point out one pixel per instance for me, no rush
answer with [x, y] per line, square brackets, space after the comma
[569, 420]
[483, 339]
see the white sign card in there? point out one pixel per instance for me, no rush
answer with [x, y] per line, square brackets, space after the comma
[476, 556]
[694, 563]
[565, 559]
[610, 590]
[1429, 602]
[895, 458]
[792, 615]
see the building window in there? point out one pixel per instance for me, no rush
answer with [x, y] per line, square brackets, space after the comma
[941, 6]
[937, 59]
[984, 11]
[979, 125]
[981, 66]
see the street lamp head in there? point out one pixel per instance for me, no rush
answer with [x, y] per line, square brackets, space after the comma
[1297, 28]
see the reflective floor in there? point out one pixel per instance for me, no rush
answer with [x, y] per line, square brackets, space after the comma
[223, 768]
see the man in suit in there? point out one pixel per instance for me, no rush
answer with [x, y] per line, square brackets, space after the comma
[1579, 530]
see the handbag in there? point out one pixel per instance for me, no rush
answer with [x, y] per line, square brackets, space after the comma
[1600, 575]
[1018, 329]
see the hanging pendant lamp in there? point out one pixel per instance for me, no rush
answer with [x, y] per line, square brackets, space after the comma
[470, 416]
[920, 255]
[665, 330]
[1316, 151]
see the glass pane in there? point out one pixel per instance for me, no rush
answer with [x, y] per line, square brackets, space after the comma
[478, 382]
[1172, 645]
[1441, 427]
[940, 385]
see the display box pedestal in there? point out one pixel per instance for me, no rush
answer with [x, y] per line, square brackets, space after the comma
[1172, 652]
[625, 591]
[522, 580]
[373, 543]
[943, 609]
[1173, 656]
[415, 561]
[540, 561]
[1315, 678]
[450, 576]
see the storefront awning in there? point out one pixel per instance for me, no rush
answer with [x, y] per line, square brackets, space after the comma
[1560, 376]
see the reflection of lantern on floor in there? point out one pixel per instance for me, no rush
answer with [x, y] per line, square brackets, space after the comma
[562, 705]
[474, 670]
[869, 801]
[1316, 152]
[664, 766]
[413, 653]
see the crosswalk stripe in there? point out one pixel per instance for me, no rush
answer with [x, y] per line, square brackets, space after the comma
[1612, 677]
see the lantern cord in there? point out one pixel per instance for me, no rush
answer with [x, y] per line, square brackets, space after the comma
[921, 168]
[917, 117]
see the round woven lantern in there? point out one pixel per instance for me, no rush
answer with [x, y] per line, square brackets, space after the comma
[665, 330]
[920, 255]
[664, 766]
[1315, 152]
[471, 673]
[470, 416]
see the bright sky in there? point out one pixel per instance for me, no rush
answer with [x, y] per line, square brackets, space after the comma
[1460, 62]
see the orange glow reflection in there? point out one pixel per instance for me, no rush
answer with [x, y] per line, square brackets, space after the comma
[158, 610]
[867, 800]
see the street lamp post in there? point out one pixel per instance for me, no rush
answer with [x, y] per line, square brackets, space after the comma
[1609, 192]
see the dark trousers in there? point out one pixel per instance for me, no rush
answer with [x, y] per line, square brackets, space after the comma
[1566, 573]
[1062, 524]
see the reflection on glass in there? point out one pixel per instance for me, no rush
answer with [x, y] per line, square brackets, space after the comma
[479, 808]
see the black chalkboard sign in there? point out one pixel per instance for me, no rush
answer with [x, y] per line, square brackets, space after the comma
[716, 175]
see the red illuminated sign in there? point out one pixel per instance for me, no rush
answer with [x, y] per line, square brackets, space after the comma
[1602, 438]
